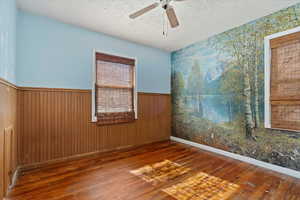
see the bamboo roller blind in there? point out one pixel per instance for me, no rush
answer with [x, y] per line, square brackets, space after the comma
[285, 82]
[114, 89]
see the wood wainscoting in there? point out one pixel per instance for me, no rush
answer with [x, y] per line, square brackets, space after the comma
[8, 139]
[55, 124]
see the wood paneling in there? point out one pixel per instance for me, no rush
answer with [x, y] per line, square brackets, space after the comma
[55, 124]
[8, 156]
[8, 140]
[107, 177]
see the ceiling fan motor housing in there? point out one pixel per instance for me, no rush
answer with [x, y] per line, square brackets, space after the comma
[165, 3]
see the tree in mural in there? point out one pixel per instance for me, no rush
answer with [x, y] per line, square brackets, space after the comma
[255, 51]
[238, 45]
[195, 87]
[257, 64]
[178, 87]
[246, 55]
[231, 88]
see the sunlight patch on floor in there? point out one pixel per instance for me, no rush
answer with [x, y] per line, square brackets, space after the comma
[160, 172]
[202, 186]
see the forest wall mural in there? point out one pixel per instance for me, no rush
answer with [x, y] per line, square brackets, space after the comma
[218, 92]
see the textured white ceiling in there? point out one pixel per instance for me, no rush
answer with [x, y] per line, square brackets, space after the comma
[199, 19]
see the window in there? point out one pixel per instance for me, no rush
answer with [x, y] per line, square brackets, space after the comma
[114, 90]
[283, 81]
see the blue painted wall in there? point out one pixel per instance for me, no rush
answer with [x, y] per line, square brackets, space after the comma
[57, 55]
[8, 12]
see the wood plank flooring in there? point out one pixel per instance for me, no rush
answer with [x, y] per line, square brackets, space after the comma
[107, 176]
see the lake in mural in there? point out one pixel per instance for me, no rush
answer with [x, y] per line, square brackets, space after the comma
[218, 92]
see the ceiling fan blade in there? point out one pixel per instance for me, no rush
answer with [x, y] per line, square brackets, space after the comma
[143, 11]
[172, 17]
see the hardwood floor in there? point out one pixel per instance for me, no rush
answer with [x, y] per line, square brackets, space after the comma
[107, 177]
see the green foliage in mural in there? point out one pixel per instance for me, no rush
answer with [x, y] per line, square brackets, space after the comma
[194, 87]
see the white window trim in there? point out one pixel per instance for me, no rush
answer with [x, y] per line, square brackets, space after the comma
[268, 57]
[94, 117]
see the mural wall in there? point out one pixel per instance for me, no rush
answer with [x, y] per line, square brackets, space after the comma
[218, 92]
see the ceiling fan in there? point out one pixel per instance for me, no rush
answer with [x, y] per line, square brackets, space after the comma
[165, 4]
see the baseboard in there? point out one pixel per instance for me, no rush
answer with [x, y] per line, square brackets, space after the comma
[276, 168]
[13, 181]
[15, 177]
[38, 165]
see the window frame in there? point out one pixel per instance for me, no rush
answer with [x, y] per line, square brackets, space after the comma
[267, 75]
[94, 79]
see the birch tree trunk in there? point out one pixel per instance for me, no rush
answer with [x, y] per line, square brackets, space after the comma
[195, 103]
[295, 13]
[247, 105]
[257, 119]
[229, 111]
[200, 109]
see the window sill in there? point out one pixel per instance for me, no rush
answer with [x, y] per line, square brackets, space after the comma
[283, 129]
[114, 123]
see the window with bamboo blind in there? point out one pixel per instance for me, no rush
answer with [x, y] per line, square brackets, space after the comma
[114, 89]
[285, 82]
